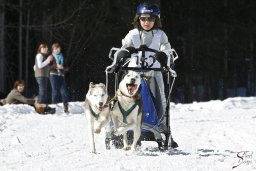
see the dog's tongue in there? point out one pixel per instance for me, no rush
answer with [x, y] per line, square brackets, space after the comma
[131, 87]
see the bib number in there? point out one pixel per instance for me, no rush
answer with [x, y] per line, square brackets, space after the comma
[147, 63]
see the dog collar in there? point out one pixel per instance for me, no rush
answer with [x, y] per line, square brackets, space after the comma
[96, 116]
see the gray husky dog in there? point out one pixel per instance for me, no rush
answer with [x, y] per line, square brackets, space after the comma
[97, 112]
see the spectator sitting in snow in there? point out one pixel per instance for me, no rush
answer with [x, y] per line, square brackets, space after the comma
[16, 97]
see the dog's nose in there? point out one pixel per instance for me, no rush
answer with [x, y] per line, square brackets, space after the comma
[132, 80]
[101, 103]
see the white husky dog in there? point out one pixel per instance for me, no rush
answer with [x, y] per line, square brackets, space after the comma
[97, 112]
[127, 110]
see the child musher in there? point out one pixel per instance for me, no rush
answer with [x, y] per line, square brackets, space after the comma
[147, 31]
[57, 78]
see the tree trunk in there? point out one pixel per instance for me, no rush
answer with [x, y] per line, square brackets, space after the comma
[20, 42]
[27, 67]
[225, 59]
[2, 48]
[251, 72]
[190, 54]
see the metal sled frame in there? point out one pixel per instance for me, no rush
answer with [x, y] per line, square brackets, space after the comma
[151, 132]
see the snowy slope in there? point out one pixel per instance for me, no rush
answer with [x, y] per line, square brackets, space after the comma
[211, 136]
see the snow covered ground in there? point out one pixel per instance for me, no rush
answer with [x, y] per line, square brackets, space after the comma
[214, 135]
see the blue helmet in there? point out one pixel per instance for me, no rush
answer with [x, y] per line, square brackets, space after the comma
[148, 8]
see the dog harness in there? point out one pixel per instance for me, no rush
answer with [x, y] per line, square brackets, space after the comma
[95, 115]
[126, 113]
[149, 59]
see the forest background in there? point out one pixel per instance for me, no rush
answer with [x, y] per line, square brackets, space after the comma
[215, 41]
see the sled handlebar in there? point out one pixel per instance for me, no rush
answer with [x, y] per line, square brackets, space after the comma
[172, 56]
[144, 48]
[142, 69]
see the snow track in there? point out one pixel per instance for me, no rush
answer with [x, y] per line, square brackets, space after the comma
[210, 136]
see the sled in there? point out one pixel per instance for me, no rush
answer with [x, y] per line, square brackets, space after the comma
[155, 125]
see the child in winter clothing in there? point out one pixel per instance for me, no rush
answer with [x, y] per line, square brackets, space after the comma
[16, 97]
[57, 78]
[147, 32]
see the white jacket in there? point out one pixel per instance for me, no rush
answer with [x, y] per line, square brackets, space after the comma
[154, 39]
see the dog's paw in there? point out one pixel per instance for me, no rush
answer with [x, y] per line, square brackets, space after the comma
[133, 149]
[126, 148]
[93, 151]
[97, 131]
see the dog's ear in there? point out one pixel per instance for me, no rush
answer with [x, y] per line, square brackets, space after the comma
[102, 85]
[91, 85]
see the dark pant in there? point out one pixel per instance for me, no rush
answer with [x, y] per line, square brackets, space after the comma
[59, 87]
[42, 95]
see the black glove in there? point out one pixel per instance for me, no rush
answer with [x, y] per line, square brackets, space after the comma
[131, 49]
[161, 57]
[123, 54]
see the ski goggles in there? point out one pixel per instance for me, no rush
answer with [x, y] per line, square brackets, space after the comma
[149, 19]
